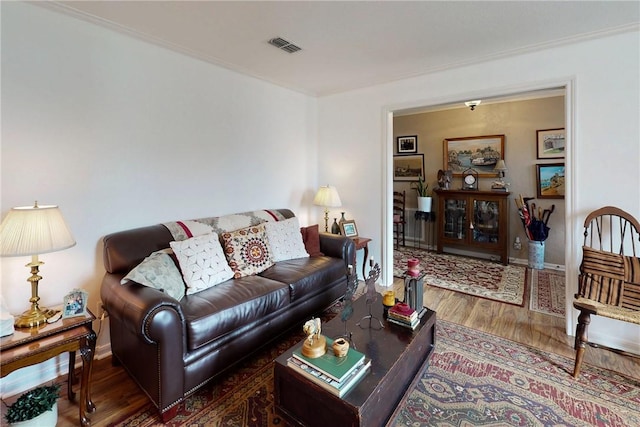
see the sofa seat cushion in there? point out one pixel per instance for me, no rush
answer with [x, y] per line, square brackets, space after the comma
[306, 276]
[230, 305]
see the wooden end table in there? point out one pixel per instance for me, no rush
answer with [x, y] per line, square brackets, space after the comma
[363, 243]
[30, 346]
[397, 355]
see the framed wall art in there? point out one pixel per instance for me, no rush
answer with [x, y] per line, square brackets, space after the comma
[550, 143]
[550, 181]
[478, 152]
[75, 303]
[407, 144]
[348, 228]
[408, 168]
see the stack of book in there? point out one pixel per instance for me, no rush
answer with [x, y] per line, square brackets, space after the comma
[403, 315]
[337, 375]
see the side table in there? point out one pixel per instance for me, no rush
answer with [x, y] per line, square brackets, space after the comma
[363, 243]
[30, 346]
[429, 218]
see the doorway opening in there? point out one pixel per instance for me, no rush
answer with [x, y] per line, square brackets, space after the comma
[518, 115]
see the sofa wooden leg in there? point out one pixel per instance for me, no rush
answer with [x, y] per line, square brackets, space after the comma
[170, 414]
[582, 338]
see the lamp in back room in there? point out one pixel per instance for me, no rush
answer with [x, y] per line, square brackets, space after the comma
[327, 197]
[34, 230]
[500, 169]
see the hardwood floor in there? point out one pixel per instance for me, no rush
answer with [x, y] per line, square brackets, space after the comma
[115, 394]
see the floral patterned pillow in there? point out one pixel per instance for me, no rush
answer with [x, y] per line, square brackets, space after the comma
[160, 272]
[247, 250]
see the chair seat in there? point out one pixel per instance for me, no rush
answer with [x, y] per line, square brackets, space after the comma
[613, 312]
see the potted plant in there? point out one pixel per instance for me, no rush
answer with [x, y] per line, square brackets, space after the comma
[38, 407]
[424, 199]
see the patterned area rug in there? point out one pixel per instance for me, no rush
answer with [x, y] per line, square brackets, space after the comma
[476, 378]
[547, 292]
[485, 279]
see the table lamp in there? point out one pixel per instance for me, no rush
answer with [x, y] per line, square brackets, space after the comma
[34, 230]
[328, 197]
[500, 169]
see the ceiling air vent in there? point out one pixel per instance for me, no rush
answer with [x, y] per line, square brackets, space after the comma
[283, 44]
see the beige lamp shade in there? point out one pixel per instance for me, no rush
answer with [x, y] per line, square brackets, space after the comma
[32, 230]
[500, 166]
[327, 196]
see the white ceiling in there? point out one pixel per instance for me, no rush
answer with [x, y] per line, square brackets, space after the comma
[348, 45]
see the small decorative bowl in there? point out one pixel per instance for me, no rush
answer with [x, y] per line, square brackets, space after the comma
[340, 347]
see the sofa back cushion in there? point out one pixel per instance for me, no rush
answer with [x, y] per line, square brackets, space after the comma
[124, 250]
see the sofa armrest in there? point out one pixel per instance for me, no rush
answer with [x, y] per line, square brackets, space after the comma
[337, 246]
[136, 306]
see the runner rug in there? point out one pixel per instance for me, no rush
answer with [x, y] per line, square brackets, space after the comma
[547, 292]
[480, 278]
[474, 378]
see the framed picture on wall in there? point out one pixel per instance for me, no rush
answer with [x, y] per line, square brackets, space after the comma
[550, 181]
[408, 168]
[407, 144]
[478, 152]
[550, 143]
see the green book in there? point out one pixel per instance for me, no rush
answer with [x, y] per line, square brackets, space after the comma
[336, 368]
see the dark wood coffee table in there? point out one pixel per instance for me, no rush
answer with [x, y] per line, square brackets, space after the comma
[397, 355]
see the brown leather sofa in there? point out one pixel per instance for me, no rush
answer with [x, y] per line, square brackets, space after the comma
[172, 348]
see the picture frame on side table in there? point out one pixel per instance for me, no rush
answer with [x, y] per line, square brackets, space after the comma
[550, 143]
[75, 303]
[349, 229]
[407, 144]
[408, 167]
[550, 180]
[478, 152]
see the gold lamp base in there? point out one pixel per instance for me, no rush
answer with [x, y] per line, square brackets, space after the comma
[34, 317]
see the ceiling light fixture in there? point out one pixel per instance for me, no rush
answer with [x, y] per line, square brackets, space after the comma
[473, 104]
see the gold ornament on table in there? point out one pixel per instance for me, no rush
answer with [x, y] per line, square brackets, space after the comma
[315, 345]
[340, 347]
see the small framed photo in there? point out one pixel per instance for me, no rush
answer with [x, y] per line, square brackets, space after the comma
[75, 303]
[550, 143]
[407, 144]
[348, 228]
[408, 168]
[550, 181]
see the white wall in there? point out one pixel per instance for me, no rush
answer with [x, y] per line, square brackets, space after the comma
[603, 100]
[120, 133]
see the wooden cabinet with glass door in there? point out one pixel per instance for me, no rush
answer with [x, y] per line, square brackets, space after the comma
[475, 221]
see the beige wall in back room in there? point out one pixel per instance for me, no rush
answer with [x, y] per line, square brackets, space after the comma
[518, 121]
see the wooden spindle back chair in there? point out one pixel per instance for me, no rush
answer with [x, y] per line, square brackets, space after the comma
[609, 279]
[399, 218]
